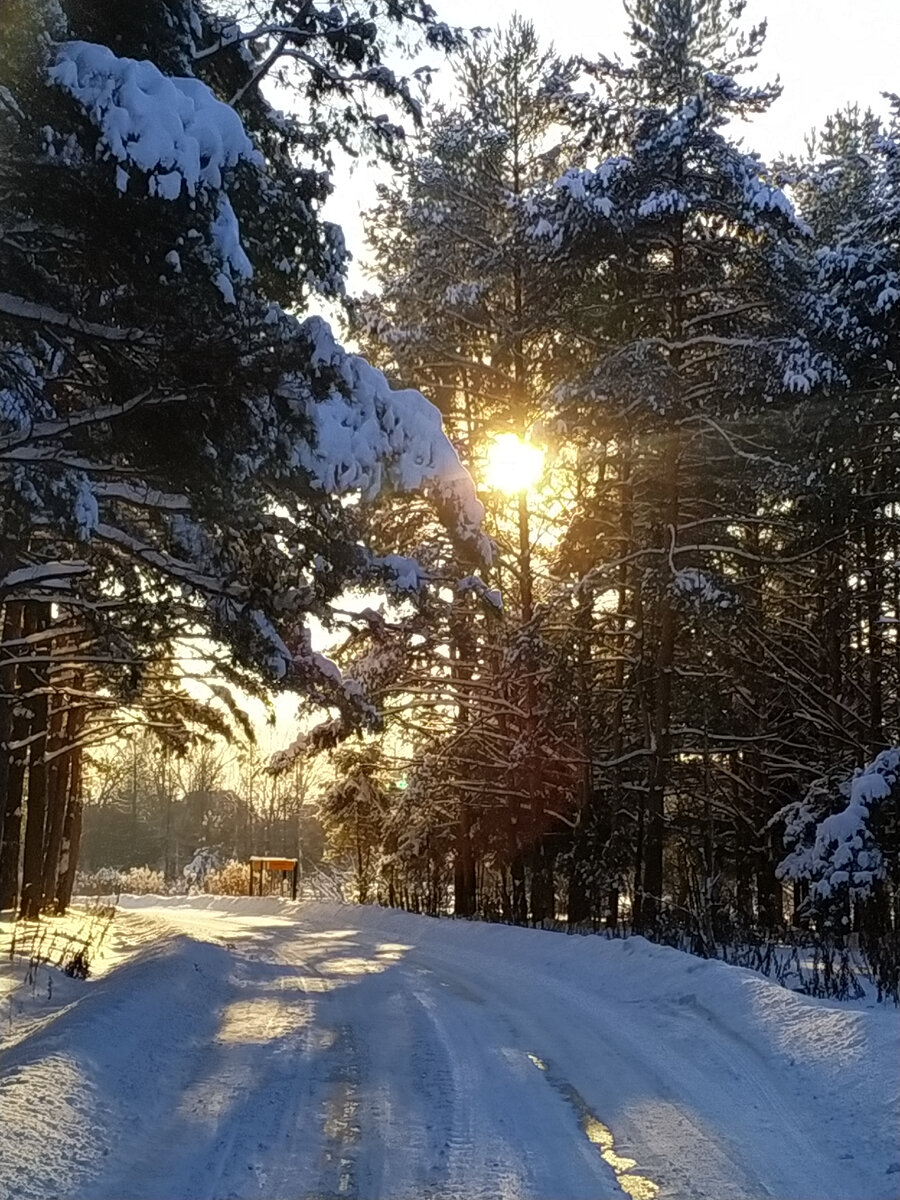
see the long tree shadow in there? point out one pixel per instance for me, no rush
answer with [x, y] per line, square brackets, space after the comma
[269, 1075]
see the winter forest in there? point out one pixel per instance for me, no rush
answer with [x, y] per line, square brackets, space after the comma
[574, 532]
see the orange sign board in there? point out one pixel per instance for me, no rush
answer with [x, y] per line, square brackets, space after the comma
[274, 864]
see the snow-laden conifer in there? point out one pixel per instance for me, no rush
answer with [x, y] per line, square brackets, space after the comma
[181, 455]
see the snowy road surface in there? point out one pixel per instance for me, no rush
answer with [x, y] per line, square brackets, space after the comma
[258, 1049]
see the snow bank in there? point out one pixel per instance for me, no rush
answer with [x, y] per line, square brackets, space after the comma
[75, 1083]
[272, 906]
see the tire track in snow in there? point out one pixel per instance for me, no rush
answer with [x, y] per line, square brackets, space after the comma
[632, 1065]
[239, 1082]
[637, 1186]
[406, 1099]
[312, 1152]
[511, 1136]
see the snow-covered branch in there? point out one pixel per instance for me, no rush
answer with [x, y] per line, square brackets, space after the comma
[43, 314]
[836, 850]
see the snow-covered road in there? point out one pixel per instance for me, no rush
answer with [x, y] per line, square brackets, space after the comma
[261, 1049]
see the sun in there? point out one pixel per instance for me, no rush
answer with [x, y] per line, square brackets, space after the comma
[513, 465]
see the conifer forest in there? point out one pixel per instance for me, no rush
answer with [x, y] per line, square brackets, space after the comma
[573, 529]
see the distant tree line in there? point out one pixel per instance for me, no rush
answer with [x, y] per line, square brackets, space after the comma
[145, 808]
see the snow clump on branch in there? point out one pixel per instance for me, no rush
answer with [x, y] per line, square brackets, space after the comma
[173, 130]
[369, 438]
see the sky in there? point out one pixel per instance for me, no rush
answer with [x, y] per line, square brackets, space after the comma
[825, 52]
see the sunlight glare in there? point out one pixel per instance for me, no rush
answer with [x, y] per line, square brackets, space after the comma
[513, 465]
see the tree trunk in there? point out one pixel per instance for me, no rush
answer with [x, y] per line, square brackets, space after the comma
[743, 873]
[15, 804]
[769, 907]
[10, 773]
[519, 893]
[577, 909]
[37, 618]
[71, 843]
[463, 866]
[874, 558]
[637, 911]
[661, 746]
[61, 731]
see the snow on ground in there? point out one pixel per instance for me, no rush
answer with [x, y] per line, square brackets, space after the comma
[238, 1048]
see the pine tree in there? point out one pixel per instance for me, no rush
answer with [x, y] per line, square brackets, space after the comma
[683, 246]
[464, 310]
[713, 374]
[169, 434]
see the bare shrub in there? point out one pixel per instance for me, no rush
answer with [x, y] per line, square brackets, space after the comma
[109, 881]
[231, 879]
[106, 881]
[143, 881]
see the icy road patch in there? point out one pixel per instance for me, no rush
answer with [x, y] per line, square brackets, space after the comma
[239, 1048]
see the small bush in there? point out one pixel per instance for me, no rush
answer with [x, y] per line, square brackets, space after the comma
[78, 966]
[231, 879]
[881, 955]
[204, 861]
[143, 881]
[106, 881]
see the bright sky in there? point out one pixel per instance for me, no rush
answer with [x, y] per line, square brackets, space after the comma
[826, 53]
